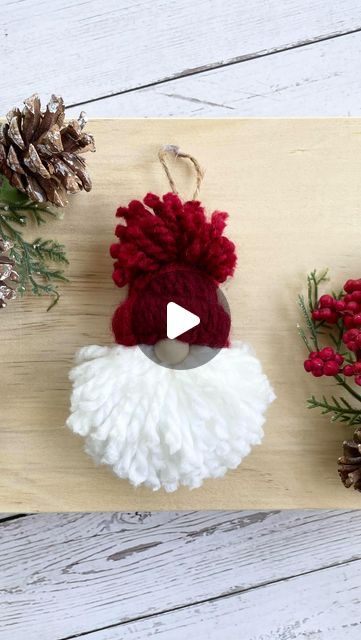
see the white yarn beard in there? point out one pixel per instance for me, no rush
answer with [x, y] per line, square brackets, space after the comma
[165, 427]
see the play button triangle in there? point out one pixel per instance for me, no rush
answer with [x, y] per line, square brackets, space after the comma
[179, 320]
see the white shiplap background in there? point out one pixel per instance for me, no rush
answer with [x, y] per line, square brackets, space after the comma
[218, 575]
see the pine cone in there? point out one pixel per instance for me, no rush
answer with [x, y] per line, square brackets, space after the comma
[8, 275]
[349, 465]
[39, 154]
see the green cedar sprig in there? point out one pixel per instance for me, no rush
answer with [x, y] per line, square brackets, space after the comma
[340, 408]
[38, 263]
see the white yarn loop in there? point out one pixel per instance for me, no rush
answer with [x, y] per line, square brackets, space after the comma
[163, 427]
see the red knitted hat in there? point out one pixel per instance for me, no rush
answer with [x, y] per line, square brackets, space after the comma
[169, 251]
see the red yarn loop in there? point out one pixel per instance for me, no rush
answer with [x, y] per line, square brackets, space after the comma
[168, 250]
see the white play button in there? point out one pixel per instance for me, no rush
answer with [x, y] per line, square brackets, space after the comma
[179, 320]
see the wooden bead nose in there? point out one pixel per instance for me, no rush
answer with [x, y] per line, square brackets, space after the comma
[171, 351]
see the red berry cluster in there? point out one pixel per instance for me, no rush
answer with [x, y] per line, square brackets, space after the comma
[352, 339]
[326, 310]
[346, 312]
[353, 370]
[347, 307]
[324, 363]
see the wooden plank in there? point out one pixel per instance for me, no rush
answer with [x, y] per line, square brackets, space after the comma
[65, 574]
[317, 80]
[92, 50]
[282, 611]
[282, 181]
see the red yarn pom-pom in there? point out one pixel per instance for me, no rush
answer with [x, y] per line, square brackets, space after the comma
[166, 231]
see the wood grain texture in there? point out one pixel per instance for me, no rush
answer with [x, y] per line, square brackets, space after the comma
[317, 80]
[90, 50]
[78, 573]
[58, 578]
[283, 182]
[278, 612]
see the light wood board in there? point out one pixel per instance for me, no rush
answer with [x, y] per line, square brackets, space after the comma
[251, 575]
[293, 192]
[318, 80]
[273, 75]
[92, 50]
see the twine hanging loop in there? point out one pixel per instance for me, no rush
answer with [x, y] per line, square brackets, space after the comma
[175, 151]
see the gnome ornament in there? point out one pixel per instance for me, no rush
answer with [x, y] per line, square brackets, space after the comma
[174, 401]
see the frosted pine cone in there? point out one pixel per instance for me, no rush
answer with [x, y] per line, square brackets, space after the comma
[349, 465]
[39, 154]
[8, 275]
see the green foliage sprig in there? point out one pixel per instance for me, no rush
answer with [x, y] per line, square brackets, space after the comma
[38, 263]
[340, 408]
